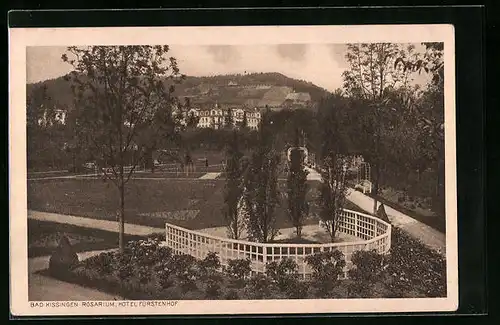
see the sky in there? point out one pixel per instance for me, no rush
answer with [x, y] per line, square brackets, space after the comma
[321, 64]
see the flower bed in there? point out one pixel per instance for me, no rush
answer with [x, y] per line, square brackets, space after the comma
[146, 270]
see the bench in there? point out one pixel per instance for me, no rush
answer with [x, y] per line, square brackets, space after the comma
[365, 186]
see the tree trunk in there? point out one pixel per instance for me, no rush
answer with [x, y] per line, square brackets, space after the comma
[121, 239]
[375, 189]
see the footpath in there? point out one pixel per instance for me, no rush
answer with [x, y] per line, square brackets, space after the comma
[429, 236]
[107, 225]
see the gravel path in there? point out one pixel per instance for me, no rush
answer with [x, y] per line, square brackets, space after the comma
[429, 236]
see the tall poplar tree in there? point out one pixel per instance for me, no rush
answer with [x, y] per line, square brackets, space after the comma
[298, 207]
[261, 194]
[234, 188]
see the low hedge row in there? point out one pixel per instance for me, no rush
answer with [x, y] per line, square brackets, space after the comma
[146, 270]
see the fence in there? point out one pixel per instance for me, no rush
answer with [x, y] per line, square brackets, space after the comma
[372, 232]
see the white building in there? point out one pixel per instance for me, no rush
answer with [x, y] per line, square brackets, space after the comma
[216, 116]
[58, 116]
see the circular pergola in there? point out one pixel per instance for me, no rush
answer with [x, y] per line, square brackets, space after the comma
[372, 233]
[303, 149]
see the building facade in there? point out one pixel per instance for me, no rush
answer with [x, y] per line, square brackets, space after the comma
[216, 117]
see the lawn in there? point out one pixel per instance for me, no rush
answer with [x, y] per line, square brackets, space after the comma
[43, 238]
[193, 204]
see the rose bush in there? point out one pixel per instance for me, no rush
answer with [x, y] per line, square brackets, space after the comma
[327, 268]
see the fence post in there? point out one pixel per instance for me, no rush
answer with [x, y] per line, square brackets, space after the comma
[356, 225]
[389, 238]
[264, 258]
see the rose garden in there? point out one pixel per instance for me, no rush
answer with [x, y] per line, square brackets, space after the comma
[298, 209]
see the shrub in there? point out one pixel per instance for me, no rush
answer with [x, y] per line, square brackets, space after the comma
[164, 270]
[144, 274]
[367, 270]
[258, 287]
[231, 295]
[185, 271]
[414, 267]
[213, 288]
[238, 270]
[63, 259]
[124, 269]
[327, 268]
[102, 263]
[297, 290]
[283, 274]
[209, 265]
[143, 252]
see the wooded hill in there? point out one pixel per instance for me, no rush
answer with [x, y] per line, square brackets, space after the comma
[255, 89]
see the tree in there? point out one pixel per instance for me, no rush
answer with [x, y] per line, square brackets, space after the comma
[261, 186]
[244, 122]
[46, 134]
[298, 207]
[429, 111]
[372, 72]
[334, 150]
[120, 95]
[192, 120]
[333, 192]
[234, 188]
[228, 119]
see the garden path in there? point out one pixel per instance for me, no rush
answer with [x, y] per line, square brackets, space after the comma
[210, 176]
[107, 225]
[313, 175]
[429, 236]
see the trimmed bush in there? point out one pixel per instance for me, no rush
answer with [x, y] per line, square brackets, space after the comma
[63, 259]
[382, 215]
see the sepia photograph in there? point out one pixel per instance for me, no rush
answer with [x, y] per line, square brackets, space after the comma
[303, 167]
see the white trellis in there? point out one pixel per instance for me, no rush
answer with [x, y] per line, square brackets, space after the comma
[303, 149]
[372, 233]
[364, 182]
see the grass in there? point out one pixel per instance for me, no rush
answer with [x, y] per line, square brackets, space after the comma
[43, 238]
[143, 200]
